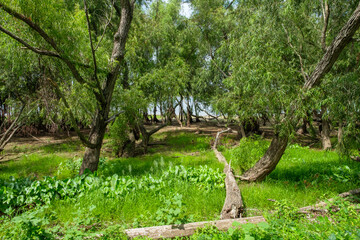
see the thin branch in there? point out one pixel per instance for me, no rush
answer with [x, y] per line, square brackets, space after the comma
[113, 117]
[297, 53]
[106, 25]
[9, 138]
[2, 140]
[92, 47]
[59, 94]
[46, 37]
[326, 14]
[28, 46]
[230, 4]
[223, 73]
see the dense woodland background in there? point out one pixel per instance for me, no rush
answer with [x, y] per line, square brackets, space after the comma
[109, 93]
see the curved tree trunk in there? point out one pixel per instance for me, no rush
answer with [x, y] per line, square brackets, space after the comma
[268, 162]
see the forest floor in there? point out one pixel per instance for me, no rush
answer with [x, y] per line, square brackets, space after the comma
[183, 179]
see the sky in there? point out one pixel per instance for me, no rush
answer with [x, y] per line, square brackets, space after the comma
[186, 10]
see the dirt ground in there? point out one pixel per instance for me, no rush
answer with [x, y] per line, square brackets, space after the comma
[32, 144]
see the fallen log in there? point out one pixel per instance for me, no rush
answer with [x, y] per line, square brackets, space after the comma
[233, 205]
[188, 229]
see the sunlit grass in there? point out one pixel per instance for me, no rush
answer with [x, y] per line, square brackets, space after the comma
[302, 177]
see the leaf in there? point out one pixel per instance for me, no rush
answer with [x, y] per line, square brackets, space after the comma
[263, 225]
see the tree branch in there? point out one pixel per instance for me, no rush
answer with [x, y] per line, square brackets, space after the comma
[92, 48]
[228, 6]
[303, 73]
[326, 14]
[106, 25]
[34, 49]
[333, 51]
[3, 140]
[85, 141]
[46, 37]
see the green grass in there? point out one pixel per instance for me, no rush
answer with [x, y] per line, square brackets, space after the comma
[302, 177]
[33, 165]
[139, 209]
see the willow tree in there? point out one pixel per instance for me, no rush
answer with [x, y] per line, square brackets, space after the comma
[52, 28]
[278, 144]
[274, 62]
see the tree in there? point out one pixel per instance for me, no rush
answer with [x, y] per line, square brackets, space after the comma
[278, 145]
[100, 83]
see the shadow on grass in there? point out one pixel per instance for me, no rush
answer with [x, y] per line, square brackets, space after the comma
[31, 166]
[67, 146]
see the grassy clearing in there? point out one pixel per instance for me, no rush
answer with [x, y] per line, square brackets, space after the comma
[33, 165]
[177, 199]
[302, 177]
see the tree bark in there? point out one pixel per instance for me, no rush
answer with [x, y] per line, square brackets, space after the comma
[340, 136]
[188, 114]
[268, 162]
[155, 120]
[188, 229]
[233, 205]
[278, 145]
[325, 131]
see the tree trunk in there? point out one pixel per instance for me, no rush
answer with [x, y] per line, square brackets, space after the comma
[325, 131]
[340, 136]
[233, 205]
[188, 114]
[303, 128]
[155, 120]
[325, 135]
[92, 151]
[91, 156]
[268, 162]
[146, 135]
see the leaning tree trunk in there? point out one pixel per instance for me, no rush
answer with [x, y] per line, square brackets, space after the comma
[268, 162]
[278, 145]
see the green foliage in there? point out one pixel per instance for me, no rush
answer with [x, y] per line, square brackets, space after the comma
[34, 165]
[286, 223]
[15, 193]
[249, 151]
[119, 133]
[171, 210]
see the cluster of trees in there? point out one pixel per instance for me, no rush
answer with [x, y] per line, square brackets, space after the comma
[64, 63]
